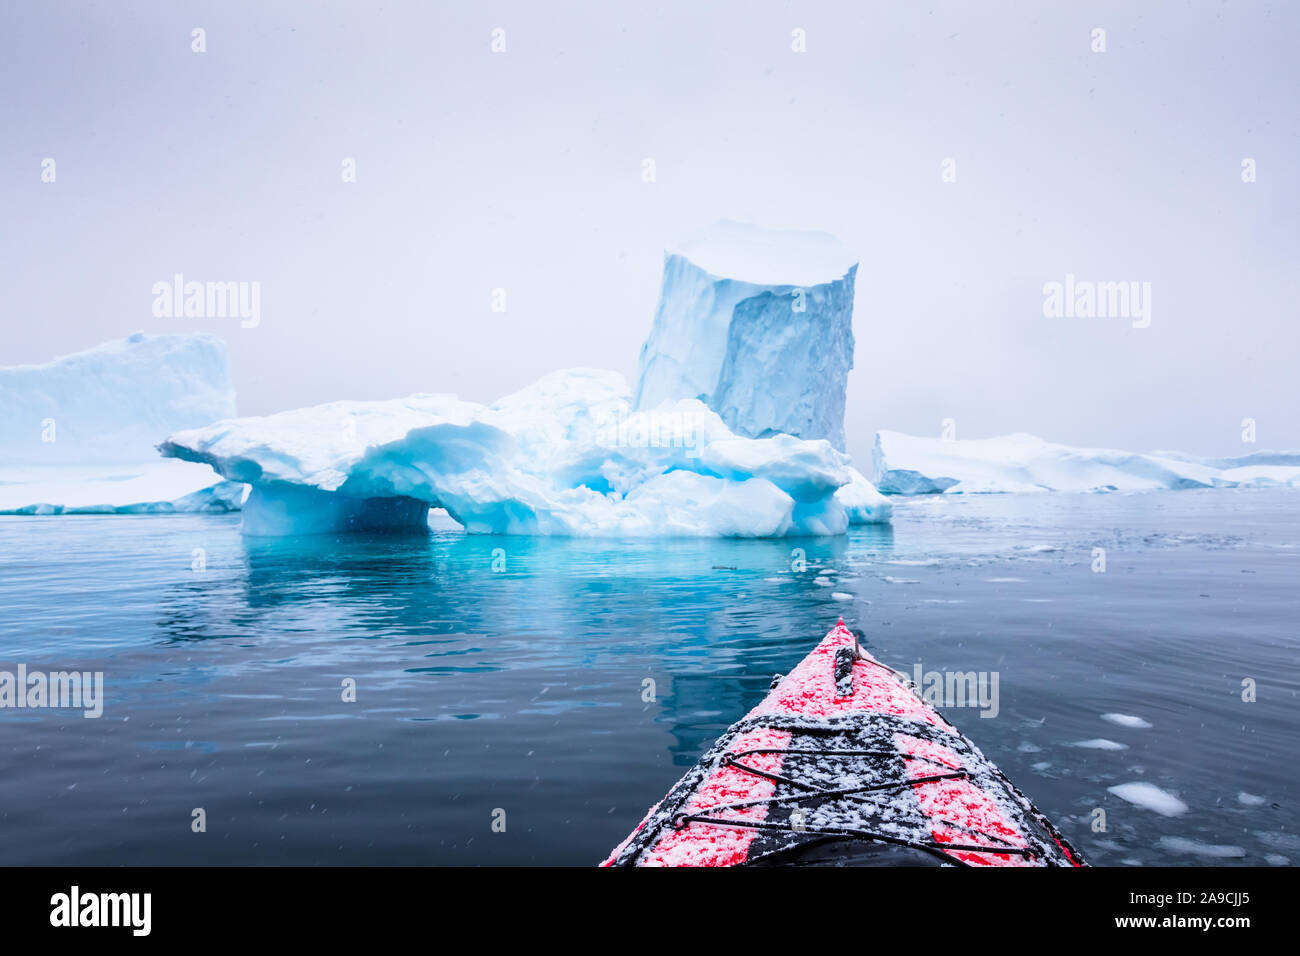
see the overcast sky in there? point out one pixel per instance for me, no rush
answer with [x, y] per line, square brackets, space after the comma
[523, 170]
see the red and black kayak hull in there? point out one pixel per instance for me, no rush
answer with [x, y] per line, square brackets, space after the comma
[842, 764]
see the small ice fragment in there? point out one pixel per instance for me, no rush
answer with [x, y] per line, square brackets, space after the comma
[1150, 797]
[841, 596]
[1250, 800]
[1194, 847]
[1125, 720]
[1101, 743]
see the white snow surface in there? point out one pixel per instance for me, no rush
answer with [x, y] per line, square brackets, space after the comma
[757, 325]
[78, 434]
[910, 465]
[565, 456]
[748, 253]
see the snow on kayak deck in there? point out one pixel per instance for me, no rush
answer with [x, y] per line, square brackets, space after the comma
[837, 701]
[704, 844]
[809, 689]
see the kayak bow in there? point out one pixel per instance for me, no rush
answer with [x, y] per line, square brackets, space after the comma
[842, 763]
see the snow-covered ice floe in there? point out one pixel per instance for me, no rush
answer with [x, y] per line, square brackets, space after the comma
[77, 434]
[564, 456]
[1150, 797]
[1210, 851]
[908, 465]
[155, 487]
[758, 325]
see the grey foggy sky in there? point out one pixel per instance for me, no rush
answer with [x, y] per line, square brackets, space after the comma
[523, 170]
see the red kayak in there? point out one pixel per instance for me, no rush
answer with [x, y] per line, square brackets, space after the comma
[842, 764]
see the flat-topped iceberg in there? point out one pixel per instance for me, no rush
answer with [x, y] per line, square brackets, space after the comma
[909, 465]
[114, 402]
[564, 456]
[77, 434]
[758, 325]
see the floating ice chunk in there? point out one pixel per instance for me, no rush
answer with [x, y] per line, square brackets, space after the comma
[863, 503]
[1250, 800]
[1191, 847]
[1127, 720]
[1150, 797]
[1101, 743]
[841, 596]
[757, 324]
[909, 465]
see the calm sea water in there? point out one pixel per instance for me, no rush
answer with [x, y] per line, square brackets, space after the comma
[512, 680]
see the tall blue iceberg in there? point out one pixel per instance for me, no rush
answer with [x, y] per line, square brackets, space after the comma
[758, 325]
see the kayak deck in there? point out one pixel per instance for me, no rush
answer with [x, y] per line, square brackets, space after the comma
[842, 763]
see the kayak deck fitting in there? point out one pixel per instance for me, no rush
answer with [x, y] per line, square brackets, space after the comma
[842, 764]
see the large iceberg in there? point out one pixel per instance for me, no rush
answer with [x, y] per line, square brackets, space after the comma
[910, 465]
[567, 455]
[77, 434]
[112, 403]
[758, 325]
